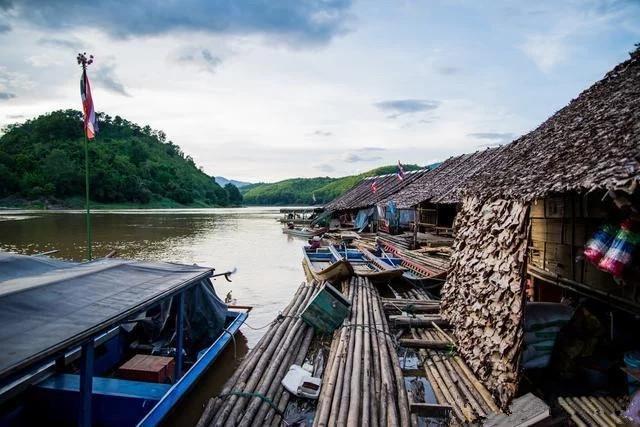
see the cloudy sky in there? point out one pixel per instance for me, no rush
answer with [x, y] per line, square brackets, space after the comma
[263, 90]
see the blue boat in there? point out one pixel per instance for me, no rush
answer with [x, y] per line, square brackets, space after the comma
[68, 330]
[326, 263]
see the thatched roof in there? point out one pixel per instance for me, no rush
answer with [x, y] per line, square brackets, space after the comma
[445, 183]
[592, 143]
[362, 196]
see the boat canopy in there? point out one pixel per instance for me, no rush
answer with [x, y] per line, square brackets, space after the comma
[47, 306]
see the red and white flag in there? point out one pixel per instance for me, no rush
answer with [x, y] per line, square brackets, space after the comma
[400, 172]
[90, 119]
[374, 186]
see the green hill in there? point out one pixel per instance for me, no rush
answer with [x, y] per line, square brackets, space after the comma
[43, 160]
[300, 191]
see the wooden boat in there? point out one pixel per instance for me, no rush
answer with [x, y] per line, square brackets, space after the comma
[109, 343]
[415, 273]
[304, 232]
[366, 264]
[326, 263]
[299, 216]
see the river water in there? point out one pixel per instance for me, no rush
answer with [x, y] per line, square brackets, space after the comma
[250, 240]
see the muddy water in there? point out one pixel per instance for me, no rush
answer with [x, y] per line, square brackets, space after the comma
[268, 263]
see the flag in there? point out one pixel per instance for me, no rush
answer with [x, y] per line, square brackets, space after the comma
[90, 119]
[374, 186]
[400, 172]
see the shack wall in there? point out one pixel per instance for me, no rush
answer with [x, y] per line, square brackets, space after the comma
[483, 297]
[560, 227]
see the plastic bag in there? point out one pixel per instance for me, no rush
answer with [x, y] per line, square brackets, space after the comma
[598, 245]
[620, 253]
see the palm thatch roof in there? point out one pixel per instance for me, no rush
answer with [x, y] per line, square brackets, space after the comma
[362, 195]
[592, 143]
[445, 183]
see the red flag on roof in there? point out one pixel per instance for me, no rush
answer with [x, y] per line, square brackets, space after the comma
[400, 173]
[374, 186]
[90, 119]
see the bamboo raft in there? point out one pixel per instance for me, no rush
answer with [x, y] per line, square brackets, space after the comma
[594, 411]
[363, 382]
[253, 395]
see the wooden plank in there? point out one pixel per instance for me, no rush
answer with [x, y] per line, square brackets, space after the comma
[419, 343]
[430, 409]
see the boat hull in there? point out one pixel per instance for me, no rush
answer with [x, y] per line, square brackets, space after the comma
[337, 269]
[304, 233]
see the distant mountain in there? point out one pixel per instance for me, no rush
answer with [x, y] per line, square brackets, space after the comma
[222, 181]
[301, 191]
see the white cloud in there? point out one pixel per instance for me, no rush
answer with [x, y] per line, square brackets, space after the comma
[546, 51]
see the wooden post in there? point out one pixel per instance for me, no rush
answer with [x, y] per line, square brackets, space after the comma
[179, 335]
[86, 385]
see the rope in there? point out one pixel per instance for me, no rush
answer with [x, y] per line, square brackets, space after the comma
[261, 396]
[274, 321]
[233, 337]
[371, 328]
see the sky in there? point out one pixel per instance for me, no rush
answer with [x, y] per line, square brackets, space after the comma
[263, 90]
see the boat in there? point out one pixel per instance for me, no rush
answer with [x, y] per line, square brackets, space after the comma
[304, 231]
[366, 264]
[326, 263]
[415, 273]
[109, 342]
[299, 216]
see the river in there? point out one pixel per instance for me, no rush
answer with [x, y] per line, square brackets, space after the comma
[250, 240]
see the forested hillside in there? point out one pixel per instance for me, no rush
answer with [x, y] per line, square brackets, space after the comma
[300, 191]
[43, 159]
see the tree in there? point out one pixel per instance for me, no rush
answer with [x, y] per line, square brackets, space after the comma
[233, 194]
[44, 157]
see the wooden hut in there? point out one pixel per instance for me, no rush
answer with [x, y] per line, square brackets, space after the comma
[525, 217]
[367, 195]
[435, 196]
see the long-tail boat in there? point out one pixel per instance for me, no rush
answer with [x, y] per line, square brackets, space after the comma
[109, 342]
[366, 264]
[304, 231]
[415, 272]
[326, 263]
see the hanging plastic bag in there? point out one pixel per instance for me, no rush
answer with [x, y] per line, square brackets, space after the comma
[621, 251]
[598, 245]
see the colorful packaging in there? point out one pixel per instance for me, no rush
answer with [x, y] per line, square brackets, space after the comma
[598, 245]
[622, 248]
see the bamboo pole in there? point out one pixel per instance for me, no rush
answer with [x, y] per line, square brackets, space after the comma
[356, 377]
[403, 401]
[247, 365]
[346, 391]
[230, 411]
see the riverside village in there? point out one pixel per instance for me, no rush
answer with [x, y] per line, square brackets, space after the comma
[493, 285]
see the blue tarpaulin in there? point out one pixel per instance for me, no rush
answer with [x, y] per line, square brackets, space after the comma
[363, 218]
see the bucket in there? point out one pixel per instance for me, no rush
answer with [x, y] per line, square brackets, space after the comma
[632, 362]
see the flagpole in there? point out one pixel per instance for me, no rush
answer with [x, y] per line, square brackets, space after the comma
[84, 61]
[87, 202]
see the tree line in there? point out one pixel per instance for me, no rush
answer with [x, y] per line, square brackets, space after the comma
[43, 158]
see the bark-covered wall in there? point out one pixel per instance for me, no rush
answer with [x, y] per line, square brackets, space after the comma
[484, 294]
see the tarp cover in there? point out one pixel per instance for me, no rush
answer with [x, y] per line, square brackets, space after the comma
[52, 309]
[364, 217]
[13, 265]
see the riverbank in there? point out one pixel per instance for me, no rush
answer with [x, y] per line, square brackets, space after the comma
[79, 203]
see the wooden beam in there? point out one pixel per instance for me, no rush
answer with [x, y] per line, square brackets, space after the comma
[430, 409]
[419, 343]
[418, 321]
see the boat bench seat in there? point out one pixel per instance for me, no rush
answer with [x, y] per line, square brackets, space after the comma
[107, 386]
